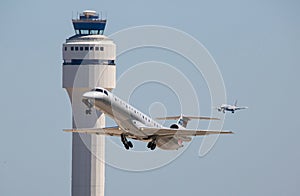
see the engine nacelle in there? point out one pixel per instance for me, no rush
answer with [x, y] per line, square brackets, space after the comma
[174, 126]
[169, 143]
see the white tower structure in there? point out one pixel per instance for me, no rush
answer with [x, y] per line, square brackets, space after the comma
[88, 61]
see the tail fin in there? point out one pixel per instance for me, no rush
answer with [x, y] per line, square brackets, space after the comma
[235, 102]
[183, 120]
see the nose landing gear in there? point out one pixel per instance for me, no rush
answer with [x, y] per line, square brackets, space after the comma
[89, 105]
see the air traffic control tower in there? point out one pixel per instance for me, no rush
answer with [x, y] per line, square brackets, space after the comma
[88, 61]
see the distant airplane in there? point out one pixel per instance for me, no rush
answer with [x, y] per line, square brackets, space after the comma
[230, 108]
[135, 125]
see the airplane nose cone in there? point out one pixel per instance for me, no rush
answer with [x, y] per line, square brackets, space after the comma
[89, 95]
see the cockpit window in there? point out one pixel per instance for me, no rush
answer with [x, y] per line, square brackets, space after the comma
[98, 90]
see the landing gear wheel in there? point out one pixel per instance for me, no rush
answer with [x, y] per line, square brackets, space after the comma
[129, 143]
[126, 146]
[153, 146]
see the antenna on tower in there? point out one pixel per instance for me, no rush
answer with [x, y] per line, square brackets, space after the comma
[105, 15]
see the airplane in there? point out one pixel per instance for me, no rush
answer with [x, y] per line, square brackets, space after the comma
[133, 124]
[230, 108]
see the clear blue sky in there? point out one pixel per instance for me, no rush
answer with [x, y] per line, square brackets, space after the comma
[256, 45]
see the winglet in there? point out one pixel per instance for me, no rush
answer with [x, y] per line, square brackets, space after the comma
[235, 102]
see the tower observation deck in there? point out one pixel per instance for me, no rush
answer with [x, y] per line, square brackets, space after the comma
[89, 24]
[88, 61]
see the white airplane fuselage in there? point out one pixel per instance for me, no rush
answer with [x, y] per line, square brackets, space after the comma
[128, 118]
[226, 107]
[125, 115]
[230, 108]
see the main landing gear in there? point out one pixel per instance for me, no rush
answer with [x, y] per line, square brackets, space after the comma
[127, 144]
[151, 145]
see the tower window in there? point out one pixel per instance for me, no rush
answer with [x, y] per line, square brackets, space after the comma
[81, 48]
[94, 32]
[72, 48]
[66, 48]
[76, 48]
[111, 62]
[84, 32]
[96, 48]
[91, 48]
[86, 48]
[101, 48]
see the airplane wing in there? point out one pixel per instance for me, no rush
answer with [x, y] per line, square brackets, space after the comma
[150, 131]
[112, 131]
[180, 132]
[241, 108]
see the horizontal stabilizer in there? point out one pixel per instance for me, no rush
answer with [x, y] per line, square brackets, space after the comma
[183, 120]
[187, 117]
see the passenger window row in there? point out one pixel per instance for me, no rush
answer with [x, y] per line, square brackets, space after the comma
[136, 112]
[86, 48]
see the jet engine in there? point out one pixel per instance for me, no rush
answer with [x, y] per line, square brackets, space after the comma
[174, 126]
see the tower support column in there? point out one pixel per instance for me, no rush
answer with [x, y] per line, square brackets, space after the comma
[88, 151]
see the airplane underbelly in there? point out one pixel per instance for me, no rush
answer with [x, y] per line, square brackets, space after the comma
[128, 126]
